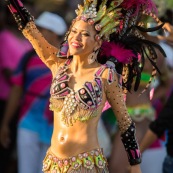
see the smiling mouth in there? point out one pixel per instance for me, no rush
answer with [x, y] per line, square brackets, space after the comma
[76, 45]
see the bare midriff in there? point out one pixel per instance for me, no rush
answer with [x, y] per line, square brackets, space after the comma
[69, 141]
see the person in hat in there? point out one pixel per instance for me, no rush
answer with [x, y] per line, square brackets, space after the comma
[102, 53]
[31, 81]
[157, 129]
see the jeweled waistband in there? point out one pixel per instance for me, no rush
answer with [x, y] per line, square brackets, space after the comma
[93, 159]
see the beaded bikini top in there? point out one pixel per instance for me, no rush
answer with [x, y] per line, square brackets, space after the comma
[80, 105]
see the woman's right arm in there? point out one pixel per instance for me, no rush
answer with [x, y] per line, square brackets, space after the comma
[44, 50]
[26, 24]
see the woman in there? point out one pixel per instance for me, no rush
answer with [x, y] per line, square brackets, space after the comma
[163, 123]
[157, 128]
[142, 113]
[81, 85]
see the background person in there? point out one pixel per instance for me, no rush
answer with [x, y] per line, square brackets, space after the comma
[157, 128]
[31, 82]
[162, 126]
[10, 56]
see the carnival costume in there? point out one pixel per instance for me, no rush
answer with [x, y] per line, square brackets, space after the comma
[143, 111]
[124, 50]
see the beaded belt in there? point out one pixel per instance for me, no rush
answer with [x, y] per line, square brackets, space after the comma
[88, 161]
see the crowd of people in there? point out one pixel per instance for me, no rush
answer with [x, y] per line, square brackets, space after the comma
[51, 116]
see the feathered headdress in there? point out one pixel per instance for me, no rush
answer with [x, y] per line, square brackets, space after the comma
[120, 24]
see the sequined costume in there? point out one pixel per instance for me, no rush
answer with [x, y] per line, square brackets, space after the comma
[91, 161]
[77, 105]
[143, 111]
[88, 98]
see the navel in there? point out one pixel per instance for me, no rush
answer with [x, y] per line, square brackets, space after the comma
[62, 138]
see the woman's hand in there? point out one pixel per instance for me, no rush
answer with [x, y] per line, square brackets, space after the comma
[19, 12]
[169, 30]
[5, 135]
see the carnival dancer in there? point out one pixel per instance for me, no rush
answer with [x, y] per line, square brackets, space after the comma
[101, 54]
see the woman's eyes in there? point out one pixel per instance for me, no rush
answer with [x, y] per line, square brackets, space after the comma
[83, 33]
[73, 31]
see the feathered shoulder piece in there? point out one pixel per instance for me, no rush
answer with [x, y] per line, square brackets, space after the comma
[128, 45]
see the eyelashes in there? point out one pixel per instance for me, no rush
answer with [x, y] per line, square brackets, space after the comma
[82, 33]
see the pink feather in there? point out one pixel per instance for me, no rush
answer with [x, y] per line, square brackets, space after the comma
[118, 51]
[148, 5]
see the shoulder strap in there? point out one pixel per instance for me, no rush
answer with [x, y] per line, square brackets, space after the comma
[100, 71]
[110, 77]
[111, 72]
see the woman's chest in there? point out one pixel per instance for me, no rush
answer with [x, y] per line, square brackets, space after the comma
[87, 91]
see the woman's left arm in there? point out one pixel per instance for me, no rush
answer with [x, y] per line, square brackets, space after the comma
[115, 97]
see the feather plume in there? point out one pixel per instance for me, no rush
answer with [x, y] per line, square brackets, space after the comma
[118, 51]
[147, 5]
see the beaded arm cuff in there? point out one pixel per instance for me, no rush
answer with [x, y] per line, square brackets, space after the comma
[20, 13]
[131, 145]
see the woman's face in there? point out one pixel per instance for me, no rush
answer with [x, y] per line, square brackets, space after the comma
[82, 39]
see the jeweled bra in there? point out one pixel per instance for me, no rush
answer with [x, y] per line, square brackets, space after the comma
[82, 104]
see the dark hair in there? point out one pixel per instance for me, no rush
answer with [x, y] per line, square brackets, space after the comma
[168, 16]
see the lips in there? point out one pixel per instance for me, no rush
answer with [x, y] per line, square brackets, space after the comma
[76, 44]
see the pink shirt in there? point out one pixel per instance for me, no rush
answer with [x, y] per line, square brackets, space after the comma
[11, 50]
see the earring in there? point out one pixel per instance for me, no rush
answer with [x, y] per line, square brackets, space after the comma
[63, 49]
[93, 56]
